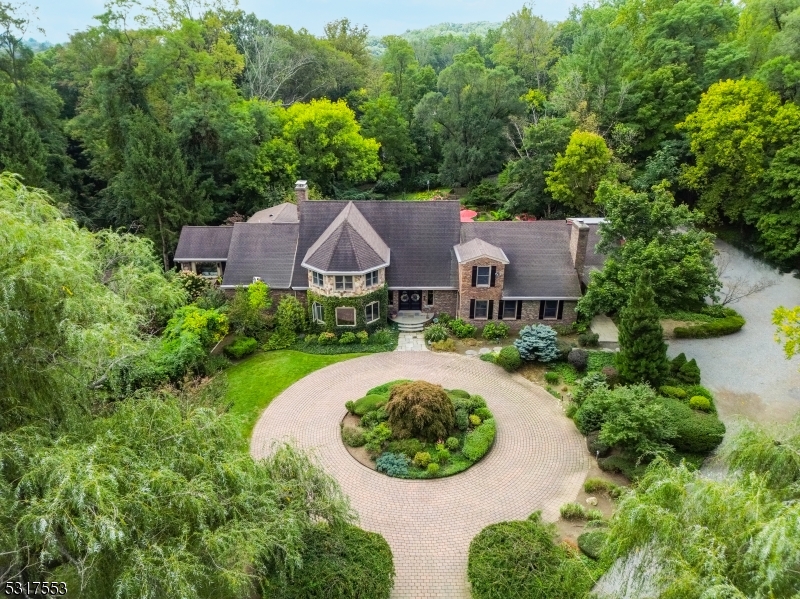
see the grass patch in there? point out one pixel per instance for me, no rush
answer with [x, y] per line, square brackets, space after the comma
[256, 381]
[566, 371]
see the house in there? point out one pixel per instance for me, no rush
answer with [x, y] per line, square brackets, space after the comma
[354, 264]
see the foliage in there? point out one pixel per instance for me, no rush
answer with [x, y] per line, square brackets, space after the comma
[483, 413]
[674, 392]
[689, 373]
[393, 464]
[246, 311]
[599, 485]
[128, 516]
[327, 338]
[373, 417]
[290, 315]
[552, 377]
[695, 432]
[592, 542]
[208, 326]
[194, 284]
[494, 331]
[600, 359]
[588, 339]
[338, 562]
[436, 332]
[241, 347]
[408, 447]
[420, 409]
[452, 443]
[479, 440]
[422, 459]
[577, 173]
[661, 239]
[587, 385]
[280, 339]
[385, 388]
[370, 402]
[578, 359]
[353, 436]
[698, 402]
[329, 305]
[383, 340]
[474, 420]
[718, 327]
[521, 559]
[376, 437]
[509, 358]
[433, 469]
[572, 511]
[446, 345]
[348, 338]
[461, 329]
[643, 353]
[537, 343]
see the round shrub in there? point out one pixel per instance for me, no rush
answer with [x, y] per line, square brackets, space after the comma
[422, 459]
[311, 339]
[367, 404]
[474, 420]
[461, 329]
[592, 543]
[495, 330]
[327, 338]
[698, 402]
[611, 374]
[586, 385]
[459, 393]
[435, 332]
[338, 563]
[696, 432]
[442, 456]
[433, 469]
[590, 416]
[452, 443]
[348, 338]
[478, 441]
[393, 464]
[579, 358]
[537, 343]
[509, 358]
[699, 390]
[420, 409]
[589, 339]
[483, 413]
[352, 436]
[241, 347]
[521, 559]
[363, 337]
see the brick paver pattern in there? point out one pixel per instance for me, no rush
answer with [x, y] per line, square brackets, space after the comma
[538, 462]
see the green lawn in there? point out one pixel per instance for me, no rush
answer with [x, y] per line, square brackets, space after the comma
[256, 381]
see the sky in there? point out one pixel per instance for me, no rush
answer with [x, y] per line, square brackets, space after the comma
[59, 18]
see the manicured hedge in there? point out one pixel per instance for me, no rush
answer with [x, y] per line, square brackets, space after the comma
[728, 325]
[697, 432]
[368, 403]
[338, 563]
[241, 347]
[386, 387]
[520, 559]
[478, 442]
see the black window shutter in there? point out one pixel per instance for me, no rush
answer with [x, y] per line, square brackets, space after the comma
[474, 276]
[491, 308]
[519, 309]
[494, 276]
[560, 309]
[500, 308]
[541, 309]
[472, 306]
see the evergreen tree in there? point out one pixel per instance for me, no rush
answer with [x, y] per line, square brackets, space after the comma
[643, 353]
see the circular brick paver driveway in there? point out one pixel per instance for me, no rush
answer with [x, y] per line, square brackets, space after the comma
[538, 462]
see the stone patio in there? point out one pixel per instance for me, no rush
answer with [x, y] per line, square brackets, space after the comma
[411, 342]
[538, 462]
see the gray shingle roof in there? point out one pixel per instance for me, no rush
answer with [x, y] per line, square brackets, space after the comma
[349, 244]
[478, 248]
[282, 213]
[265, 250]
[197, 244]
[421, 236]
[540, 265]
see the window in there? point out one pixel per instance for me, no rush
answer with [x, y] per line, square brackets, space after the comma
[317, 279]
[318, 312]
[550, 309]
[430, 298]
[344, 283]
[372, 312]
[483, 276]
[345, 317]
[509, 311]
[372, 278]
[481, 309]
[207, 269]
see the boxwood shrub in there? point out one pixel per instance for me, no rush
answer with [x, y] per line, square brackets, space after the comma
[241, 347]
[509, 358]
[386, 387]
[731, 323]
[368, 403]
[696, 432]
[478, 441]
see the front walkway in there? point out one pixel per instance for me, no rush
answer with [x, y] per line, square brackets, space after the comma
[608, 335]
[538, 462]
[411, 342]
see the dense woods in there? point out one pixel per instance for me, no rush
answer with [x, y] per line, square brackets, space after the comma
[191, 113]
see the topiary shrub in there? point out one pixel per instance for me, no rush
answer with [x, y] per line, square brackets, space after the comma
[393, 464]
[696, 432]
[478, 441]
[433, 469]
[352, 436]
[461, 329]
[572, 511]
[367, 404]
[241, 347]
[521, 559]
[578, 358]
[446, 345]
[474, 420]
[537, 343]
[422, 459]
[674, 392]
[588, 339]
[698, 402]
[348, 338]
[551, 377]
[386, 387]
[689, 373]
[420, 409]
[339, 562]
[452, 443]
[495, 330]
[509, 359]
[592, 543]
[728, 325]
[677, 362]
[435, 332]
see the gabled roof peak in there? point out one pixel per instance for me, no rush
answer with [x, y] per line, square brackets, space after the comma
[478, 248]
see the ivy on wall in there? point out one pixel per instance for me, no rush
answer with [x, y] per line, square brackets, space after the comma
[330, 304]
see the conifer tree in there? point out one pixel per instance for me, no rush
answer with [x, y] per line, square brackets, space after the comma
[643, 353]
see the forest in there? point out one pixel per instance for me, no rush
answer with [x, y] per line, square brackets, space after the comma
[178, 114]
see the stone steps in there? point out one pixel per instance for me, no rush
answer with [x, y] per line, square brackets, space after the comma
[409, 328]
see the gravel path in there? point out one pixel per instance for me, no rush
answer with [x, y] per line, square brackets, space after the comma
[747, 371]
[538, 462]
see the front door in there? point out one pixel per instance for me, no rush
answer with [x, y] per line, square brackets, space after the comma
[410, 300]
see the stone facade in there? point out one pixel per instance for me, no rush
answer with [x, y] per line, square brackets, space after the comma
[359, 285]
[530, 314]
[467, 292]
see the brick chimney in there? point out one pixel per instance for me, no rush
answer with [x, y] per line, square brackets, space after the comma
[578, 240]
[301, 193]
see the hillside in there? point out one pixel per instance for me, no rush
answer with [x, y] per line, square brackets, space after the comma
[376, 48]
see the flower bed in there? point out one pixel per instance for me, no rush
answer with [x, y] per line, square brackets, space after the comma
[414, 429]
